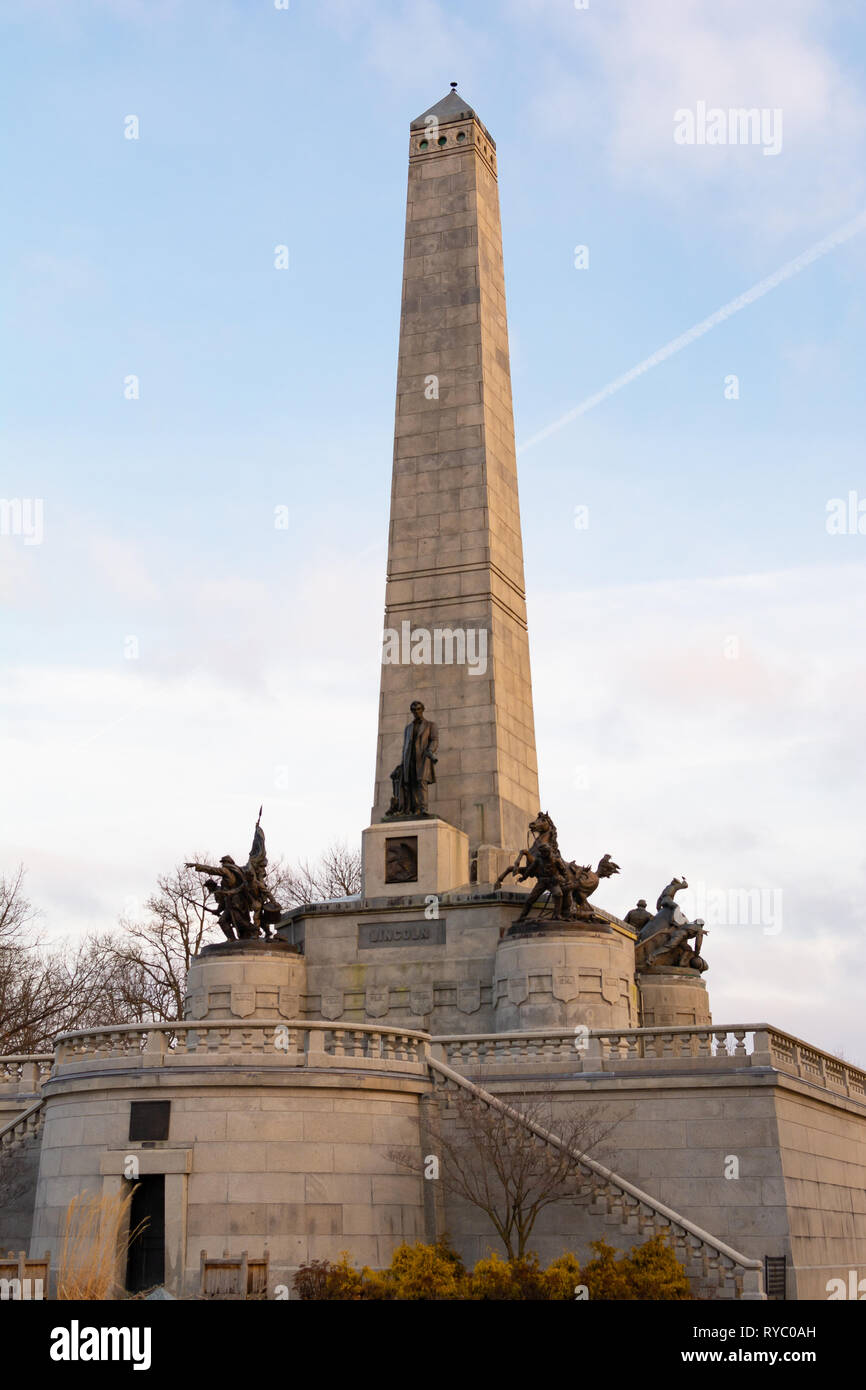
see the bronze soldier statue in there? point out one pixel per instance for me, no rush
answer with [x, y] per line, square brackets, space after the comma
[232, 897]
[638, 916]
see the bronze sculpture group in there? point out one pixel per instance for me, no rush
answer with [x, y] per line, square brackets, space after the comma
[666, 939]
[245, 905]
[568, 885]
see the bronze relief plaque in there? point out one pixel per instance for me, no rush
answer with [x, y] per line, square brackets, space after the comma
[401, 859]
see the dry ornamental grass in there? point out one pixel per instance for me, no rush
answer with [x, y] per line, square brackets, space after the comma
[94, 1243]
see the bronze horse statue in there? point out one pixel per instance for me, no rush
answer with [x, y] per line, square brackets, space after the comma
[568, 885]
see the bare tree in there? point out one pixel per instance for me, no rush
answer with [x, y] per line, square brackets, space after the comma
[152, 956]
[502, 1167]
[43, 991]
[16, 912]
[138, 973]
[336, 875]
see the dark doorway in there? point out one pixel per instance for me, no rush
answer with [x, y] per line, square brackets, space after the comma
[145, 1264]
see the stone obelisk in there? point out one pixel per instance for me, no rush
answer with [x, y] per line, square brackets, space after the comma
[455, 557]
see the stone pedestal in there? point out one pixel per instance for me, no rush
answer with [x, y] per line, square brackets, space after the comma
[401, 857]
[558, 979]
[673, 997]
[491, 861]
[246, 979]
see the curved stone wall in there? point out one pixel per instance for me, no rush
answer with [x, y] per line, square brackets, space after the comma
[246, 979]
[277, 1152]
[564, 979]
[672, 997]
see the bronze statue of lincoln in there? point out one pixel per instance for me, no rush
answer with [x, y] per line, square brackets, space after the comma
[417, 767]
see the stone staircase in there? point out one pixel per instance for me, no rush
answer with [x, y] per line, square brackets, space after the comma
[714, 1269]
[26, 1126]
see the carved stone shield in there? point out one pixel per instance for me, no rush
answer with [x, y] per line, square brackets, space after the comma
[243, 1002]
[198, 1003]
[378, 998]
[288, 1002]
[332, 1003]
[518, 988]
[421, 1001]
[564, 985]
[469, 996]
[610, 987]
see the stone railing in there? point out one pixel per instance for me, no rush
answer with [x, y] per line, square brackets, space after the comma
[791, 1055]
[23, 1074]
[710, 1263]
[553, 1051]
[583, 1050]
[724, 1046]
[23, 1127]
[235, 1042]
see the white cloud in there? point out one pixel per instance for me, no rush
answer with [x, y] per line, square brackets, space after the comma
[625, 69]
[414, 46]
[740, 774]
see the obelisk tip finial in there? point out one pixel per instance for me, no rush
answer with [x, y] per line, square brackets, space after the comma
[454, 86]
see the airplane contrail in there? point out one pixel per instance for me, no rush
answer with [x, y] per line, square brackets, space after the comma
[785, 272]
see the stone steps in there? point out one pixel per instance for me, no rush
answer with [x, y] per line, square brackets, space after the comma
[22, 1128]
[713, 1269]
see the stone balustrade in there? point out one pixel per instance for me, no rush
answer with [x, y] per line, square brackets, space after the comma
[22, 1127]
[790, 1054]
[607, 1050]
[23, 1074]
[236, 1042]
[732, 1046]
[326, 1044]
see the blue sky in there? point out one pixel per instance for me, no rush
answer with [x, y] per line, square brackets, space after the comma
[257, 672]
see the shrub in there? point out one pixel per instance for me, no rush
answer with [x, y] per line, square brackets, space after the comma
[436, 1272]
[653, 1271]
[495, 1278]
[604, 1276]
[322, 1280]
[562, 1276]
[432, 1272]
[649, 1272]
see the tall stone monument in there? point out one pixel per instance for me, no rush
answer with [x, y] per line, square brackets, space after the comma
[455, 610]
[438, 939]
